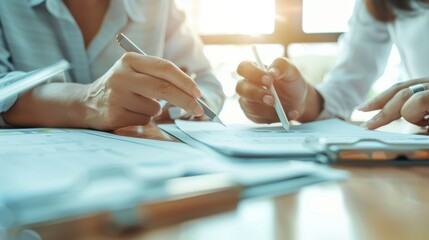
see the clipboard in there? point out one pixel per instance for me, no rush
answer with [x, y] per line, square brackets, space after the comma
[184, 199]
[369, 151]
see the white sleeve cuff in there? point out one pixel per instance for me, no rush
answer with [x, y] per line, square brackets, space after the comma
[4, 106]
[2, 122]
[330, 107]
[212, 91]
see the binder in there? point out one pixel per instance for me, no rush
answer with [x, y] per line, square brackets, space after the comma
[369, 151]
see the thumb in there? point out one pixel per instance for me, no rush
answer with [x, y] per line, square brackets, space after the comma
[290, 85]
[282, 69]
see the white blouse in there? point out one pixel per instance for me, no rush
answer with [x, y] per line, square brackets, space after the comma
[37, 33]
[364, 52]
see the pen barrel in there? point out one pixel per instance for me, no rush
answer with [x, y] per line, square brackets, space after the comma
[128, 45]
[279, 108]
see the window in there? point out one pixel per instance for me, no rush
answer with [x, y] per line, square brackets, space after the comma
[306, 31]
[318, 16]
[223, 17]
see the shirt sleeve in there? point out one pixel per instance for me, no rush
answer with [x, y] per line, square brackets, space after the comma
[185, 49]
[363, 55]
[7, 73]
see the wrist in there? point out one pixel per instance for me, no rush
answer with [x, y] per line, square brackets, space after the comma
[65, 103]
[86, 106]
[49, 105]
[313, 105]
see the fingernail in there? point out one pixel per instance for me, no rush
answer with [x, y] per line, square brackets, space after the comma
[269, 100]
[159, 113]
[275, 72]
[198, 111]
[267, 80]
[196, 92]
[368, 123]
[293, 115]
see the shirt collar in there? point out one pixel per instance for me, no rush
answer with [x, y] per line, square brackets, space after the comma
[134, 11]
[132, 8]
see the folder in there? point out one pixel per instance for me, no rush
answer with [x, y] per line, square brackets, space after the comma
[369, 151]
[54, 181]
[181, 202]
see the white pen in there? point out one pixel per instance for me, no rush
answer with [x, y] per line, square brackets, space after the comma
[277, 104]
[129, 46]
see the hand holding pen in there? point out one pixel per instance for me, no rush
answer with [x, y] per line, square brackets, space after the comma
[295, 96]
[129, 46]
[126, 94]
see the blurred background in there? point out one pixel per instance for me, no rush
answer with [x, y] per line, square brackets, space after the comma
[305, 31]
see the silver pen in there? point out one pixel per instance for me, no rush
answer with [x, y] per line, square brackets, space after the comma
[129, 46]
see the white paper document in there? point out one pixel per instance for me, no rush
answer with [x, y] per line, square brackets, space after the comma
[274, 141]
[46, 174]
[31, 158]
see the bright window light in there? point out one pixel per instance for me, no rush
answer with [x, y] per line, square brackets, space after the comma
[216, 17]
[324, 16]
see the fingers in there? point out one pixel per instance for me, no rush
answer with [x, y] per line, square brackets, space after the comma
[281, 68]
[129, 118]
[260, 113]
[156, 88]
[164, 116]
[391, 110]
[258, 110]
[381, 100]
[120, 117]
[253, 74]
[289, 84]
[160, 79]
[162, 69]
[254, 93]
[138, 104]
[416, 108]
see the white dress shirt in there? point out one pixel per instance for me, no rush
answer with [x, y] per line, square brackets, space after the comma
[37, 33]
[364, 52]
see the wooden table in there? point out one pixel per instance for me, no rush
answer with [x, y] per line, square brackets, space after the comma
[374, 203]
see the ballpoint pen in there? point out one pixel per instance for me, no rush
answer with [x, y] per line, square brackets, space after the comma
[277, 104]
[129, 46]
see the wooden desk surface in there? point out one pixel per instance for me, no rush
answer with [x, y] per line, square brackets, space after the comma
[381, 203]
[374, 203]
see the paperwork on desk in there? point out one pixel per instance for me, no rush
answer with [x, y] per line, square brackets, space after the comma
[272, 141]
[49, 174]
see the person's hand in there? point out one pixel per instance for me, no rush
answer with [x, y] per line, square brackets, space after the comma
[171, 113]
[400, 101]
[300, 100]
[126, 95]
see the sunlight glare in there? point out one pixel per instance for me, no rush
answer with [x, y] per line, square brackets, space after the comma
[252, 17]
[324, 17]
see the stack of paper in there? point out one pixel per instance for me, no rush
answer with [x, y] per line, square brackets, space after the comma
[49, 174]
[268, 141]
